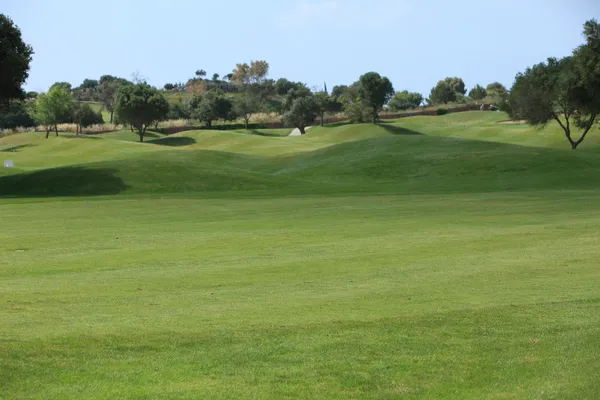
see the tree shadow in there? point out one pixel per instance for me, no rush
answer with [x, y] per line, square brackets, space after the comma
[335, 124]
[16, 148]
[267, 134]
[173, 141]
[68, 181]
[398, 130]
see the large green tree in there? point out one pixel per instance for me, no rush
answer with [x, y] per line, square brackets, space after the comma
[15, 57]
[16, 114]
[324, 104]
[85, 116]
[140, 106]
[405, 100]
[107, 92]
[442, 93]
[375, 91]
[457, 84]
[53, 108]
[301, 113]
[478, 92]
[210, 106]
[564, 90]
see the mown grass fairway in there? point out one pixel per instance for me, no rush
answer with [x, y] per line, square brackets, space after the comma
[354, 262]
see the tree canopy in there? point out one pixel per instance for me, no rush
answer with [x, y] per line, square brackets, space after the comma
[85, 116]
[565, 90]
[54, 107]
[405, 100]
[375, 91]
[140, 105]
[301, 113]
[15, 57]
[442, 93]
[478, 92]
[210, 106]
[457, 84]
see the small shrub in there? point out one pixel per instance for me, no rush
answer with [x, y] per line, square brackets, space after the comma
[441, 111]
[356, 111]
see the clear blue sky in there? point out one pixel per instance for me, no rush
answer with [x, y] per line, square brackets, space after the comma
[413, 42]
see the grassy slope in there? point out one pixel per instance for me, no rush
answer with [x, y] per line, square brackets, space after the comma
[410, 270]
[100, 108]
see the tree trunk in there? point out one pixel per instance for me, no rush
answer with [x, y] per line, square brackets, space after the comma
[141, 133]
[374, 115]
[111, 116]
[156, 126]
[246, 120]
[302, 129]
[56, 129]
[47, 132]
[322, 119]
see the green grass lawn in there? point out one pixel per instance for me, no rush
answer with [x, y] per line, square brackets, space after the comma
[399, 261]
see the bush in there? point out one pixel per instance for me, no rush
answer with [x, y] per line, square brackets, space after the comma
[356, 111]
[441, 111]
[15, 115]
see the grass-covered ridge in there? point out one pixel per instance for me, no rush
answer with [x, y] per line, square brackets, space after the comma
[405, 260]
[391, 158]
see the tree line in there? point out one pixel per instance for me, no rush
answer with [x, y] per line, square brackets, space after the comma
[565, 90]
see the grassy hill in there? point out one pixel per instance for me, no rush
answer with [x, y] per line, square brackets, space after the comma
[444, 257]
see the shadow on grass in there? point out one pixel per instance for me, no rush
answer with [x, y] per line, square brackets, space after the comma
[16, 148]
[398, 130]
[173, 141]
[69, 181]
[268, 134]
[335, 124]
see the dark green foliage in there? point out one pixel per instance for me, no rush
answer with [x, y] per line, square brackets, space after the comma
[457, 85]
[283, 86]
[442, 93]
[55, 107]
[90, 84]
[405, 100]
[357, 111]
[301, 113]
[140, 106]
[210, 106]
[15, 57]
[496, 89]
[295, 93]
[478, 92]
[375, 91]
[169, 86]
[325, 104]
[178, 110]
[66, 85]
[15, 114]
[441, 111]
[85, 116]
[246, 104]
[31, 95]
[566, 90]
[107, 92]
